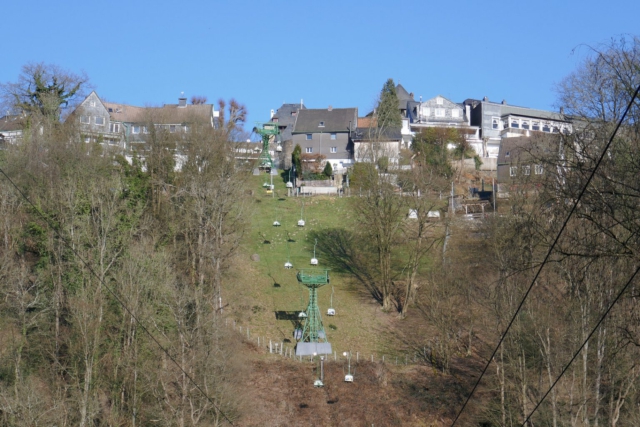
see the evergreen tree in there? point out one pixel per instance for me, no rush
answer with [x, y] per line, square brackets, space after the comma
[388, 113]
[328, 170]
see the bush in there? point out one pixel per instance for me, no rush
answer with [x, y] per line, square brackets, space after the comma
[328, 170]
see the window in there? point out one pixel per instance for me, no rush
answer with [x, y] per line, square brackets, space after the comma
[507, 154]
[535, 126]
[135, 129]
[538, 169]
[525, 124]
[455, 113]
[513, 171]
[333, 136]
[309, 136]
[185, 128]
[321, 125]
[144, 129]
[426, 112]
[92, 103]
[439, 112]
[439, 101]
[114, 127]
[526, 170]
[494, 124]
[334, 149]
[99, 121]
[546, 128]
[515, 124]
[172, 128]
[85, 120]
[87, 139]
[309, 150]
[294, 113]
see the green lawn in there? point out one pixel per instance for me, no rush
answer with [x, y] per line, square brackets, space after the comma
[267, 288]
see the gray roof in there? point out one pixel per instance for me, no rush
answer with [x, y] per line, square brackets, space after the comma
[522, 149]
[286, 116]
[167, 114]
[333, 120]
[11, 123]
[404, 97]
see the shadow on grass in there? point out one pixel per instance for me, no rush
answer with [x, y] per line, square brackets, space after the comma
[291, 316]
[345, 253]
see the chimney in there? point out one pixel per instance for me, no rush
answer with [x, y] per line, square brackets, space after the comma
[182, 101]
[330, 108]
[561, 110]
[485, 99]
[504, 102]
[272, 113]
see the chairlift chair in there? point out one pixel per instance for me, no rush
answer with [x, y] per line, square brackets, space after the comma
[289, 184]
[314, 260]
[301, 222]
[288, 265]
[348, 378]
[279, 148]
[331, 311]
[276, 224]
[302, 315]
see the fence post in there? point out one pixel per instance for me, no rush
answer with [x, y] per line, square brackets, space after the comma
[270, 347]
[357, 356]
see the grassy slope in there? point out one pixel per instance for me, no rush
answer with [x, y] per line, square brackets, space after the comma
[265, 287]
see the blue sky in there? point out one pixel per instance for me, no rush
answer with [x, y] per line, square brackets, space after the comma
[335, 53]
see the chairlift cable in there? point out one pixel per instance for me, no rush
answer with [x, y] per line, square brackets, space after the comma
[551, 248]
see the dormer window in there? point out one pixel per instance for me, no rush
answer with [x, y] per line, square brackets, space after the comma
[321, 125]
[439, 101]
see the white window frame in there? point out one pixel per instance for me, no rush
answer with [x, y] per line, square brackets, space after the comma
[455, 113]
[114, 127]
[309, 136]
[85, 120]
[321, 125]
[95, 120]
[334, 149]
[308, 150]
[92, 103]
[439, 112]
[135, 129]
[439, 101]
[538, 169]
[334, 136]
[172, 128]
[526, 169]
[525, 125]
[513, 171]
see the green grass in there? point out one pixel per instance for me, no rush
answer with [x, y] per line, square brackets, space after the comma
[269, 287]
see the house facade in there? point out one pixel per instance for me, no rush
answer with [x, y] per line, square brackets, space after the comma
[500, 121]
[11, 128]
[127, 126]
[523, 162]
[371, 144]
[440, 112]
[326, 132]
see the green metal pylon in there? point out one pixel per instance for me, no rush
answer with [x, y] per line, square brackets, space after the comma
[313, 329]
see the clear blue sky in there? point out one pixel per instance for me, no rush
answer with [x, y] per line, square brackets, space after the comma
[335, 53]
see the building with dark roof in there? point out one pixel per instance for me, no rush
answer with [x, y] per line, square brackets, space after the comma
[499, 121]
[326, 132]
[126, 126]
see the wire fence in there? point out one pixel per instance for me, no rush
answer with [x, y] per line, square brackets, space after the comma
[286, 349]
